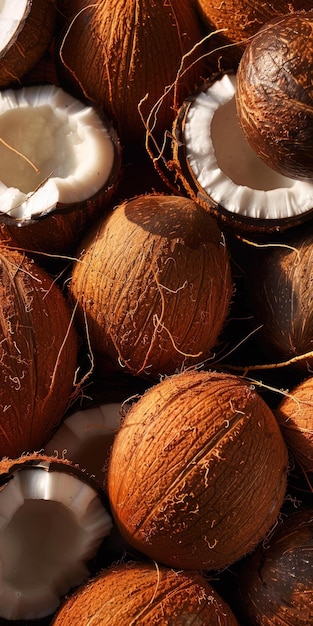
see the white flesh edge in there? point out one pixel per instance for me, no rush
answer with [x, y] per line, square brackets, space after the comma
[51, 523]
[227, 168]
[58, 151]
[85, 437]
[11, 14]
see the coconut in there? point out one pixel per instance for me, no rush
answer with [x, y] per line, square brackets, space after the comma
[217, 166]
[38, 354]
[280, 298]
[274, 95]
[275, 583]
[197, 472]
[45, 136]
[295, 417]
[53, 520]
[26, 30]
[147, 594]
[152, 284]
[132, 54]
[240, 20]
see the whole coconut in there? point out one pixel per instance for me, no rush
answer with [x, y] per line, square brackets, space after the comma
[197, 473]
[146, 594]
[38, 352]
[132, 52]
[295, 417]
[152, 283]
[274, 94]
[276, 581]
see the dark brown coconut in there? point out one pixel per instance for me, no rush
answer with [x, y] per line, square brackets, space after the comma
[152, 284]
[49, 191]
[217, 167]
[280, 297]
[146, 594]
[38, 354]
[274, 94]
[295, 417]
[197, 473]
[276, 581]
[53, 521]
[27, 28]
[132, 53]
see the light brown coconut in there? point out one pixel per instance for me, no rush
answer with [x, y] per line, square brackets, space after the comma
[198, 471]
[295, 417]
[147, 594]
[152, 284]
[38, 351]
[27, 28]
[132, 54]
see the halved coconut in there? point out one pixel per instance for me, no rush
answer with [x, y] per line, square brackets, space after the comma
[52, 522]
[26, 30]
[56, 155]
[220, 170]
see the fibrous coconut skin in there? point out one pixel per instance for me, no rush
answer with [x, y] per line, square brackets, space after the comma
[53, 520]
[274, 94]
[26, 31]
[295, 417]
[278, 289]
[152, 284]
[146, 594]
[132, 52]
[197, 473]
[275, 583]
[57, 156]
[38, 351]
[218, 167]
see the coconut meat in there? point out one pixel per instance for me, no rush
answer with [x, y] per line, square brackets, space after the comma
[226, 167]
[11, 14]
[53, 150]
[51, 523]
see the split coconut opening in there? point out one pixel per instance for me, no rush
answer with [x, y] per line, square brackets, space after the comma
[227, 168]
[54, 150]
[51, 523]
[11, 14]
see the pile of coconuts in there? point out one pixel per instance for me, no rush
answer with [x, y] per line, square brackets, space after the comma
[156, 260]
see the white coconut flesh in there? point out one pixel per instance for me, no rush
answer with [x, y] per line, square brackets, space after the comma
[11, 14]
[53, 150]
[227, 168]
[51, 523]
[86, 437]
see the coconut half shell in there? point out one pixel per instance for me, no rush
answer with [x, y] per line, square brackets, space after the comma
[26, 31]
[53, 520]
[219, 169]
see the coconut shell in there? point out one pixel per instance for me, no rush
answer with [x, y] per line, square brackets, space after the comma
[29, 42]
[295, 417]
[146, 594]
[276, 582]
[132, 53]
[274, 94]
[153, 284]
[197, 473]
[38, 354]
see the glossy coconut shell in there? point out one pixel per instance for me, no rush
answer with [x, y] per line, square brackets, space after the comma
[197, 473]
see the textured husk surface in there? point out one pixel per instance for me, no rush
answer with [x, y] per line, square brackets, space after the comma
[132, 50]
[274, 94]
[147, 594]
[153, 284]
[31, 40]
[197, 473]
[38, 354]
[276, 582]
[295, 417]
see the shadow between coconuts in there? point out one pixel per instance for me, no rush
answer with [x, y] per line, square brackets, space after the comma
[171, 160]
